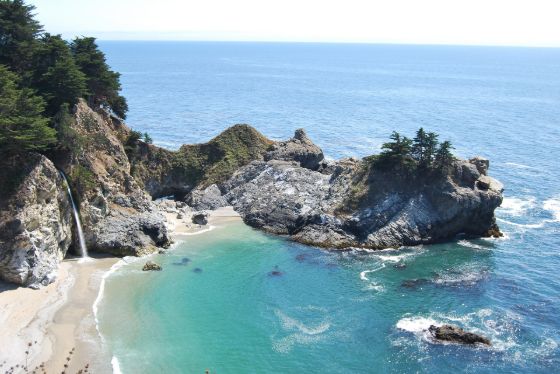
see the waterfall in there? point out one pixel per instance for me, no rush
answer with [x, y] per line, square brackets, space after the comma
[83, 247]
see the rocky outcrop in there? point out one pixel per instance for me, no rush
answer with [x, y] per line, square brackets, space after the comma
[118, 216]
[177, 173]
[35, 221]
[299, 149]
[353, 203]
[200, 218]
[455, 334]
[151, 266]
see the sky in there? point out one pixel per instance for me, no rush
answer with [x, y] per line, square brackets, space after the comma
[465, 22]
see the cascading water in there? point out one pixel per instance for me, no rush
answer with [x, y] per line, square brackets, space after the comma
[81, 239]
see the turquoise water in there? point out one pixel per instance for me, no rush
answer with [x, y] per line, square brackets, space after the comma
[348, 312]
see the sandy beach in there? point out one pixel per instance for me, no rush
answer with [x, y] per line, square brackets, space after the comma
[59, 318]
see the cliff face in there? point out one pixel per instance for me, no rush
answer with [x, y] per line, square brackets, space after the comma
[118, 216]
[164, 172]
[35, 221]
[352, 203]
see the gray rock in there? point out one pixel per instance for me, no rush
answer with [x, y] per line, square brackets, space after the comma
[151, 266]
[455, 334]
[300, 149]
[200, 218]
[312, 207]
[209, 198]
[35, 223]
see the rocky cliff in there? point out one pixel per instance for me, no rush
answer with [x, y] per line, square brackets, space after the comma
[354, 203]
[118, 216]
[35, 221]
[285, 188]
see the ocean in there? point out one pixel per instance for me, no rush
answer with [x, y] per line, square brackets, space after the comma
[351, 312]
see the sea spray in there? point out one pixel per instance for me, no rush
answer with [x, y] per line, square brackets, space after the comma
[81, 238]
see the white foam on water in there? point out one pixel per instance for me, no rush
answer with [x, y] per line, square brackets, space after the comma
[523, 225]
[292, 324]
[119, 264]
[301, 333]
[209, 228]
[516, 207]
[553, 206]
[469, 244]
[363, 273]
[500, 332]
[520, 166]
[115, 365]
[417, 324]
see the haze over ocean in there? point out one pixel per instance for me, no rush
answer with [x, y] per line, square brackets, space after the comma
[349, 312]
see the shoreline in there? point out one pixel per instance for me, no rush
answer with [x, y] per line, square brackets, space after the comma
[60, 317]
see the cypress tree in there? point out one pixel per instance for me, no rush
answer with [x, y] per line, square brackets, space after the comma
[443, 157]
[103, 84]
[18, 34]
[22, 126]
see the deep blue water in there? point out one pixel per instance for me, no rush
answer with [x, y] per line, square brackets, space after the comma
[325, 314]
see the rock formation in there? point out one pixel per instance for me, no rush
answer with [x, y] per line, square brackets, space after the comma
[455, 334]
[352, 203]
[35, 221]
[118, 216]
[151, 266]
[284, 188]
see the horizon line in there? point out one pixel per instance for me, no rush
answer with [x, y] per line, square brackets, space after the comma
[427, 44]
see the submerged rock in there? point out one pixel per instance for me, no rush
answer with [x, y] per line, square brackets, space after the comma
[197, 270]
[151, 266]
[414, 283]
[455, 334]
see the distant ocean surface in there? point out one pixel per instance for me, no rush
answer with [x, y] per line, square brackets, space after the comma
[350, 312]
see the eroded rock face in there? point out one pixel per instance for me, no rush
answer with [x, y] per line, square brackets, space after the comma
[316, 207]
[118, 216]
[299, 149]
[35, 222]
[455, 334]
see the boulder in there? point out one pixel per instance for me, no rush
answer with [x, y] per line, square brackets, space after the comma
[455, 334]
[200, 218]
[209, 198]
[151, 266]
[299, 149]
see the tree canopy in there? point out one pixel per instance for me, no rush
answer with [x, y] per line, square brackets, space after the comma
[424, 152]
[46, 75]
[22, 125]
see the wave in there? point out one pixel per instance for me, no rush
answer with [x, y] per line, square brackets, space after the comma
[516, 207]
[469, 244]
[301, 333]
[520, 166]
[499, 329]
[524, 225]
[363, 273]
[115, 365]
[553, 206]
[210, 228]
[468, 277]
[290, 323]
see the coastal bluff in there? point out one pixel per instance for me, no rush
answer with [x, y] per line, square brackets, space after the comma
[282, 187]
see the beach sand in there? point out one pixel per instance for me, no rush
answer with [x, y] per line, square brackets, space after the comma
[59, 317]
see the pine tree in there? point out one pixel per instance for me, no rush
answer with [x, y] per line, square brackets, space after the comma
[431, 147]
[397, 152]
[22, 125]
[18, 34]
[419, 147]
[103, 84]
[147, 138]
[56, 76]
[443, 157]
